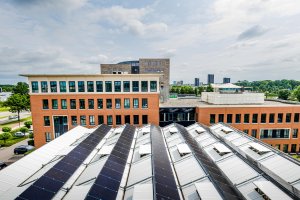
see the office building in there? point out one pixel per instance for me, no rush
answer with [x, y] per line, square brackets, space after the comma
[144, 66]
[226, 80]
[61, 102]
[173, 162]
[210, 79]
[197, 83]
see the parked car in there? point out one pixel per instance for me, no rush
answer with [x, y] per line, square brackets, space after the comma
[19, 134]
[23, 149]
[2, 165]
[13, 117]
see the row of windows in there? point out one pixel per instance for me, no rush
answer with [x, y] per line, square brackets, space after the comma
[285, 148]
[94, 86]
[264, 118]
[118, 120]
[91, 103]
[273, 133]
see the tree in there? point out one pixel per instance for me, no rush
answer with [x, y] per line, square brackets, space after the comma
[5, 136]
[284, 94]
[296, 93]
[209, 88]
[21, 88]
[17, 103]
[28, 124]
[24, 129]
[6, 129]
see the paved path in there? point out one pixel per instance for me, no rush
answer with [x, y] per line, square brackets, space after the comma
[7, 153]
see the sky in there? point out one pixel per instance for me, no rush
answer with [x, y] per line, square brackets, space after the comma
[240, 39]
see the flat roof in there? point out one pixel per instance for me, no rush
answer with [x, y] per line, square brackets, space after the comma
[196, 102]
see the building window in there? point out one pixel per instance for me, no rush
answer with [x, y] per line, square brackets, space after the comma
[53, 86]
[108, 103]
[221, 117]
[212, 118]
[229, 118]
[73, 103]
[64, 104]
[99, 86]
[238, 118]
[81, 86]
[144, 103]
[274, 133]
[135, 86]
[263, 118]
[72, 87]
[118, 103]
[90, 86]
[35, 87]
[82, 120]
[288, 117]
[126, 103]
[109, 120]
[127, 119]
[62, 86]
[100, 103]
[246, 118]
[46, 121]
[81, 104]
[296, 117]
[45, 104]
[92, 120]
[285, 148]
[108, 86]
[293, 148]
[48, 136]
[74, 120]
[246, 131]
[91, 103]
[135, 103]
[145, 119]
[136, 119]
[118, 119]
[54, 104]
[254, 133]
[144, 86]
[153, 86]
[44, 86]
[280, 118]
[117, 86]
[272, 118]
[295, 133]
[254, 118]
[126, 86]
[100, 119]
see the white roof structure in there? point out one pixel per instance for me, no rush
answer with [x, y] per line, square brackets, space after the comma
[225, 85]
[191, 173]
[200, 130]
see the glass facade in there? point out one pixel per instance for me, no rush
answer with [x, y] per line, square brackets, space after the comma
[274, 133]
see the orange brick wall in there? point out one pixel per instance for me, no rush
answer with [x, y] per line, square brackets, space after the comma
[203, 116]
[38, 112]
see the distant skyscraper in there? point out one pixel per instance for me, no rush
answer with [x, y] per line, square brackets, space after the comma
[226, 80]
[210, 78]
[196, 81]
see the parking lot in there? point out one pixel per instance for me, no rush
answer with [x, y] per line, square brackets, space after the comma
[7, 153]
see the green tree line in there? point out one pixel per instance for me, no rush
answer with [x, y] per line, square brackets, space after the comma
[7, 88]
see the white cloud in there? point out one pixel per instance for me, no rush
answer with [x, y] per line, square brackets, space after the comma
[100, 58]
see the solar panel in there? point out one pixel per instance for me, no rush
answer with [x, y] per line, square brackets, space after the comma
[50, 183]
[163, 178]
[108, 181]
[220, 182]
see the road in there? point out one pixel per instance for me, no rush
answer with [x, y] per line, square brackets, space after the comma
[7, 153]
[6, 114]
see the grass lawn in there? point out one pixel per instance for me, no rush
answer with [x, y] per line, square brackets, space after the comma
[2, 117]
[4, 109]
[296, 156]
[12, 140]
[15, 122]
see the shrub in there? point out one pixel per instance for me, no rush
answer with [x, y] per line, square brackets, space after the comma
[31, 142]
[284, 94]
[5, 136]
[31, 135]
[28, 124]
[24, 129]
[6, 129]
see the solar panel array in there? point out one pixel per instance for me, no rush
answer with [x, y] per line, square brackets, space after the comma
[219, 181]
[108, 180]
[164, 184]
[51, 182]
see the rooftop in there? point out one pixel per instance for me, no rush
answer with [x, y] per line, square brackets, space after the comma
[86, 75]
[130, 163]
[196, 102]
